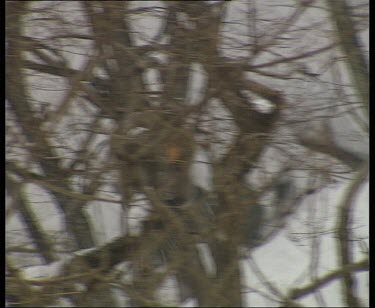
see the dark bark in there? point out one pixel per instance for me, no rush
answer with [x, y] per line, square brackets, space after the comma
[350, 45]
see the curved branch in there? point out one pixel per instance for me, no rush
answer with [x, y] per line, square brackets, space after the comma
[321, 282]
[345, 249]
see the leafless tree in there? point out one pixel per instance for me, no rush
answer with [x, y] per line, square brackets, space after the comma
[108, 105]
